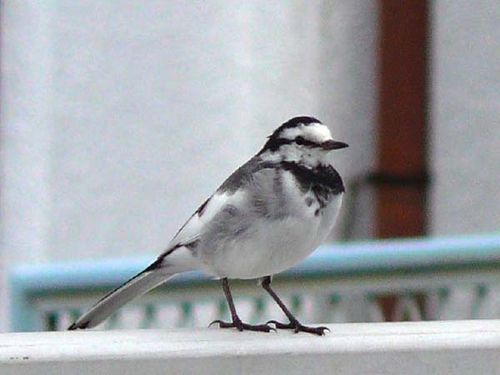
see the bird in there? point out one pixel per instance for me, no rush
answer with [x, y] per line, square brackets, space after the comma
[268, 215]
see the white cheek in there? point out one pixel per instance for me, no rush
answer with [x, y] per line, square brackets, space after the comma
[314, 157]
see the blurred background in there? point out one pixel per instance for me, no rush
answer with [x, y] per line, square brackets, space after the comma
[118, 118]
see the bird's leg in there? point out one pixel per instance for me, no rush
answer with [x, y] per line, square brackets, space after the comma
[294, 323]
[236, 321]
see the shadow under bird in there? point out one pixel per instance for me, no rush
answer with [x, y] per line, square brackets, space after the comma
[268, 215]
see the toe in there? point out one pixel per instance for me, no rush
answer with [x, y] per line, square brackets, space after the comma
[258, 327]
[320, 331]
[280, 325]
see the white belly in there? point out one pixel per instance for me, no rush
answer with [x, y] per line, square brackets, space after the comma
[273, 247]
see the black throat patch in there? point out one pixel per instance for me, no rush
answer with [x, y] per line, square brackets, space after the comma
[323, 181]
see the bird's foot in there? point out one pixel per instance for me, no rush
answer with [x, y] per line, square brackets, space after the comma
[299, 327]
[240, 326]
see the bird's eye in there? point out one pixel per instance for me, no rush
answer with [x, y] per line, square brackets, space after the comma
[300, 140]
[305, 142]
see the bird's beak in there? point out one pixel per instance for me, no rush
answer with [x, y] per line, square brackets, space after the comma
[333, 145]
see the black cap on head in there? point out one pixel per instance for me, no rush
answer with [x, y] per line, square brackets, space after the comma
[274, 143]
[304, 120]
[294, 122]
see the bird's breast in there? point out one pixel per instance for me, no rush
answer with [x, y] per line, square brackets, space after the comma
[269, 246]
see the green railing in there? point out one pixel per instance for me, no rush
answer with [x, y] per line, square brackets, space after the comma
[413, 279]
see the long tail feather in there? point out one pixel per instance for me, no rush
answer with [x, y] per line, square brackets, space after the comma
[135, 287]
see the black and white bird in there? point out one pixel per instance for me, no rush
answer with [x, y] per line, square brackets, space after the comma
[268, 215]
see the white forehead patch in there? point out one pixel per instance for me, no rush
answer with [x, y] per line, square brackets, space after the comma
[313, 132]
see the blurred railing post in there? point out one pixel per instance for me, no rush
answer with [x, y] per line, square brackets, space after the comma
[402, 118]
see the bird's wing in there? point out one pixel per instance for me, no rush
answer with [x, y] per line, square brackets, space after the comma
[228, 194]
[193, 228]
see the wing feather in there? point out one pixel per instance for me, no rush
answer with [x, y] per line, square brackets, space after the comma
[229, 193]
[193, 228]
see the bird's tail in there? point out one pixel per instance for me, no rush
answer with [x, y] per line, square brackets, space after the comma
[140, 284]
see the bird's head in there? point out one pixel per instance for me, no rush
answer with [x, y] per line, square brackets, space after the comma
[301, 139]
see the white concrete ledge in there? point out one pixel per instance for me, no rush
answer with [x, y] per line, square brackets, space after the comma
[458, 347]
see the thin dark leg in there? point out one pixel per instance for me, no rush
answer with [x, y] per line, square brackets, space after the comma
[294, 323]
[229, 298]
[236, 321]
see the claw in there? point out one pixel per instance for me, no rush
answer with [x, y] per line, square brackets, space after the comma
[216, 321]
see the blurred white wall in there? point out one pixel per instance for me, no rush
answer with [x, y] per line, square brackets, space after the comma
[120, 118]
[465, 117]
